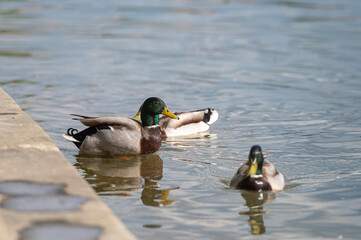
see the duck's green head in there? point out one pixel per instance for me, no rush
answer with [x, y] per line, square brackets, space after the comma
[255, 160]
[150, 110]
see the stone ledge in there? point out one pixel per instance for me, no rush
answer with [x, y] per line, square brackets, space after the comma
[61, 200]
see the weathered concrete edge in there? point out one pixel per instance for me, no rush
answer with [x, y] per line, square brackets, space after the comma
[27, 153]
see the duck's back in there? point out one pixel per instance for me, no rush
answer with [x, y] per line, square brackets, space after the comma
[190, 122]
[116, 140]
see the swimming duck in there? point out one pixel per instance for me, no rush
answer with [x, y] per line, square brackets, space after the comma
[190, 122]
[119, 135]
[258, 174]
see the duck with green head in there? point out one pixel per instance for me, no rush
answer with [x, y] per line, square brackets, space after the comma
[119, 135]
[258, 174]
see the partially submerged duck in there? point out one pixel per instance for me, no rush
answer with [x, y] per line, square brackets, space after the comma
[258, 174]
[190, 122]
[119, 135]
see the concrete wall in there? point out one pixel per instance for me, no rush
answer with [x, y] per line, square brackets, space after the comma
[42, 196]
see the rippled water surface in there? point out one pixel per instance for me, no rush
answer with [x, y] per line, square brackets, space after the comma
[282, 74]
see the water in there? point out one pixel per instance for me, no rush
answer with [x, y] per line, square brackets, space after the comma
[282, 74]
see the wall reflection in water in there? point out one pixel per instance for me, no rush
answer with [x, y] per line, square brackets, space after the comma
[255, 201]
[122, 176]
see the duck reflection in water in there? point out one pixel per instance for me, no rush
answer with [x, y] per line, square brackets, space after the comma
[254, 201]
[120, 176]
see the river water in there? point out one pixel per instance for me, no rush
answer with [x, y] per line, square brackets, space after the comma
[282, 74]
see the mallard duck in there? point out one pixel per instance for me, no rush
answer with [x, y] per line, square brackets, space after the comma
[119, 135]
[258, 174]
[190, 122]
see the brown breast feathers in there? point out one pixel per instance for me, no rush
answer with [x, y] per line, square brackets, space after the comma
[151, 140]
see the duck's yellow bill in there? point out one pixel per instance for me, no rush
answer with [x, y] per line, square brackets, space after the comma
[169, 113]
[137, 116]
[253, 168]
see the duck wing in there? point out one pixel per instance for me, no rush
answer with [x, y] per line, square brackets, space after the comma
[108, 135]
[274, 177]
[240, 175]
[268, 170]
[206, 115]
[109, 121]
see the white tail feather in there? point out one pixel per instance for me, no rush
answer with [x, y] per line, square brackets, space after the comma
[214, 117]
[69, 138]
